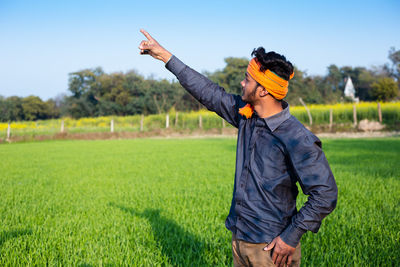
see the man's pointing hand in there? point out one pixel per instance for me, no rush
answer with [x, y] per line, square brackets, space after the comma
[153, 48]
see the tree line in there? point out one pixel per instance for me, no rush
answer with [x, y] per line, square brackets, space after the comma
[92, 92]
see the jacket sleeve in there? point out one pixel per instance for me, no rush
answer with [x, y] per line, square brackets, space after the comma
[312, 170]
[212, 96]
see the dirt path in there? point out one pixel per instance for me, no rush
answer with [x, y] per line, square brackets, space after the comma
[320, 135]
[358, 135]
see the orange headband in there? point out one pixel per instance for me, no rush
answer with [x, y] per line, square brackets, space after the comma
[275, 85]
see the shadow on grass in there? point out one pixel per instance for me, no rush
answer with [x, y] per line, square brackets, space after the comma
[178, 245]
[6, 235]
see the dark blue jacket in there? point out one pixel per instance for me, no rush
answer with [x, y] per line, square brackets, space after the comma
[272, 155]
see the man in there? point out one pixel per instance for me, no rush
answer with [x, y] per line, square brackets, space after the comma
[274, 151]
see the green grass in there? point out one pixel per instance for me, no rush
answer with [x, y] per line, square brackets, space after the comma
[154, 202]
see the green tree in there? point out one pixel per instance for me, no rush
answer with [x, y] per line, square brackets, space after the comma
[53, 109]
[394, 68]
[385, 89]
[305, 87]
[111, 96]
[11, 109]
[85, 88]
[134, 85]
[34, 108]
[364, 85]
[231, 76]
[82, 82]
[334, 78]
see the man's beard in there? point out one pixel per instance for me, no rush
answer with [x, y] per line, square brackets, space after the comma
[251, 97]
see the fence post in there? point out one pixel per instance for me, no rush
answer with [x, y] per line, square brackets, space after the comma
[223, 123]
[141, 123]
[200, 122]
[8, 131]
[330, 119]
[112, 125]
[308, 111]
[62, 126]
[355, 115]
[379, 112]
[176, 119]
[167, 121]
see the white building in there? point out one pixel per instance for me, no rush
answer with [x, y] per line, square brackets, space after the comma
[349, 90]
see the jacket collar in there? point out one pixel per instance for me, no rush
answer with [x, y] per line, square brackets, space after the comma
[277, 119]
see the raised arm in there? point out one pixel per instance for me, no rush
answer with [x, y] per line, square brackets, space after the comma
[212, 96]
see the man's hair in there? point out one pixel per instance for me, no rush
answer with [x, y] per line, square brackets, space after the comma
[274, 62]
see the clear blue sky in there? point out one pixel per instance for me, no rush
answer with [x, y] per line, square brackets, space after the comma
[42, 41]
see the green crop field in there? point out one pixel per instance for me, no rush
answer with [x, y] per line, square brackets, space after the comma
[163, 202]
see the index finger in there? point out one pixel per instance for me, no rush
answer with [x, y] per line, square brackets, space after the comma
[274, 256]
[289, 260]
[148, 36]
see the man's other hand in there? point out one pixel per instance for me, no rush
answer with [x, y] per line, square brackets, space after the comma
[282, 255]
[153, 48]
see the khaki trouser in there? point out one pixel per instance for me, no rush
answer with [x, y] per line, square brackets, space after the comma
[252, 254]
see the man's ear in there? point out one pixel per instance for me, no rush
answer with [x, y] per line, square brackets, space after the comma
[263, 92]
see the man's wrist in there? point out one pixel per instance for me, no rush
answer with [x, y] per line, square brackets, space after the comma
[166, 57]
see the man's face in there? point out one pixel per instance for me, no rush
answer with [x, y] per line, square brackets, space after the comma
[249, 89]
